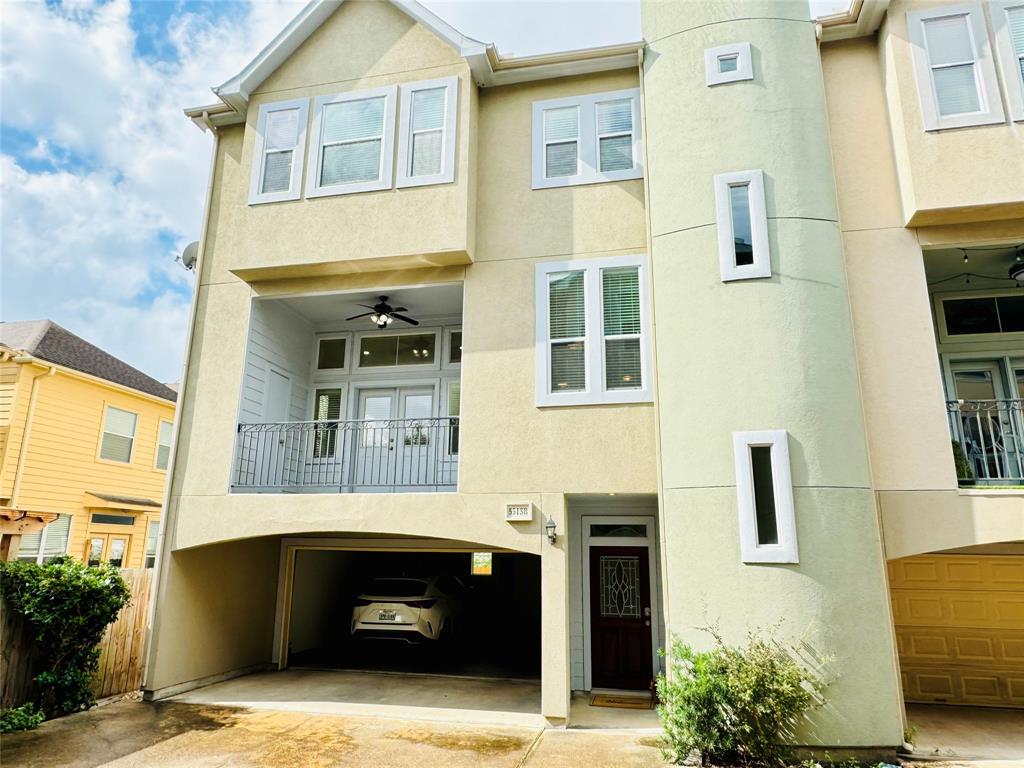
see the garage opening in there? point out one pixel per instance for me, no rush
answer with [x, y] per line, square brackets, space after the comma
[442, 613]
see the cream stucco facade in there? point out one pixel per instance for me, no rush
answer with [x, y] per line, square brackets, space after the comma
[854, 189]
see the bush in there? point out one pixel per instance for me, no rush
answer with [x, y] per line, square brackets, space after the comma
[735, 705]
[964, 472]
[68, 605]
[23, 718]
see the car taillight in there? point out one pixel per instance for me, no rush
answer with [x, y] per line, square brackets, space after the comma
[420, 603]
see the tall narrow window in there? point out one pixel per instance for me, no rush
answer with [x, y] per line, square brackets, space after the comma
[567, 331]
[426, 144]
[951, 58]
[622, 329]
[615, 135]
[454, 408]
[1008, 22]
[278, 151]
[163, 444]
[326, 408]
[743, 250]
[764, 493]
[561, 142]
[118, 435]
[354, 134]
[151, 537]
[43, 546]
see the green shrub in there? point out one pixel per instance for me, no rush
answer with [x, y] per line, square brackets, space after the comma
[964, 472]
[68, 605]
[735, 705]
[23, 718]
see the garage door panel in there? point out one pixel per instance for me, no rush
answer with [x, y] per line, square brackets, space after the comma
[977, 687]
[967, 646]
[964, 609]
[962, 572]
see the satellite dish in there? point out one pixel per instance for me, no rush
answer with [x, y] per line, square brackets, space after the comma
[190, 254]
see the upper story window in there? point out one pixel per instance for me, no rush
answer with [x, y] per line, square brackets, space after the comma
[592, 339]
[976, 315]
[352, 139]
[163, 444]
[1008, 23]
[587, 139]
[764, 494]
[411, 348]
[278, 151]
[426, 142]
[332, 353]
[955, 73]
[743, 250]
[118, 435]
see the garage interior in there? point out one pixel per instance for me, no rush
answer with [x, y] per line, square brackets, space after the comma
[497, 630]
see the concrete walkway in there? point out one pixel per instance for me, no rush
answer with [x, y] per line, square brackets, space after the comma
[967, 733]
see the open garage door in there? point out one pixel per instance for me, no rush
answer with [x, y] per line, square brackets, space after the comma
[416, 612]
[959, 623]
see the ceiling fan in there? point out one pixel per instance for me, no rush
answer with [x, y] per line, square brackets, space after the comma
[384, 314]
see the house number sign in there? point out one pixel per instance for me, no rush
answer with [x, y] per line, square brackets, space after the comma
[519, 512]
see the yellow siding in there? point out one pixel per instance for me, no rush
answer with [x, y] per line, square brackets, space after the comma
[8, 389]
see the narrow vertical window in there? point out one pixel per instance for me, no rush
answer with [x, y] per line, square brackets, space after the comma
[426, 143]
[739, 210]
[326, 408]
[118, 435]
[952, 62]
[454, 408]
[615, 135]
[1015, 23]
[567, 331]
[278, 151]
[622, 330]
[1008, 24]
[743, 249]
[151, 537]
[764, 494]
[561, 142]
[163, 444]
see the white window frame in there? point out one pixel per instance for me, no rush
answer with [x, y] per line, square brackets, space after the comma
[385, 172]
[42, 541]
[435, 365]
[594, 393]
[156, 542]
[404, 177]
[294, 190]
[588, 158]
[762, 264]
[103, 431]
[744, 64]
[319, 374]
[991, 110]
[785, 514]
[156, 453]
[1009, 60]
[343, 388]
[446, 363]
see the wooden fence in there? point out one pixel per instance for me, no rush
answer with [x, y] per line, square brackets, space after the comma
[121, 661]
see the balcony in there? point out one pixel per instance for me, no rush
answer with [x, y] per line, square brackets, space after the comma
[988, 440]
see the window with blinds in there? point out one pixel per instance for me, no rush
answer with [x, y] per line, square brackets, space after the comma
[43, 546]
[151, 538]
[561, 142]
[1008, 23]
[615, 135]
[454, 409]
[118, 435]
[278, 152]
[1015, 25]
[326, 407]
[592, 336]
[426, 142]
[163, 444]
[952, 61]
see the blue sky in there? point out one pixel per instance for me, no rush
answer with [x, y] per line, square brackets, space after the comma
[102, 178]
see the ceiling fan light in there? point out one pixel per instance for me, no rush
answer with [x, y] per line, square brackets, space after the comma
[375, 318]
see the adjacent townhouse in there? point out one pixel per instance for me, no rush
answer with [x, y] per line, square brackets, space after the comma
[85, 443]
[720, 327]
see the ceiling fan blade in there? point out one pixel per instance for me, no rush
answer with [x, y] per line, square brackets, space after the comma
[400, 309]
[356, 317]
[405, 319]
[365, 305]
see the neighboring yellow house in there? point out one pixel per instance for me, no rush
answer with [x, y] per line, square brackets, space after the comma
[84, 447]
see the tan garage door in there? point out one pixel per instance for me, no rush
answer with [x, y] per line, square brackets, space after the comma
[960, 628]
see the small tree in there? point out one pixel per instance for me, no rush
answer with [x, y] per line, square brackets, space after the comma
[68, 605]
[735, 705]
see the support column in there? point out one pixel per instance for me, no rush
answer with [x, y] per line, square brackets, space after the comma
[554, 620]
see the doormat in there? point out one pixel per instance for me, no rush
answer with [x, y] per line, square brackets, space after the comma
[622, 702]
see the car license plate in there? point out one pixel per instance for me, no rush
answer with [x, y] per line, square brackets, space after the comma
[387, 616]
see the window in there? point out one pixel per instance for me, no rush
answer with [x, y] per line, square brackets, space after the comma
[587, 139]
[353, 134]
[278, 151]
[454, 408]
[100, 518]
[376, 351]
[764, 492]
[326, 407]
[743, 250]
[151, 538]
[118, 435]
[1008, 23]
[982, 315]
[454, 348]
[955, 74]
[728, 64]
[163, 444]
[592, 342]
[426, 144]
[331, 353]
[43, 546]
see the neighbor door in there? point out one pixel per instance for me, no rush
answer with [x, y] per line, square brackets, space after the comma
[620, 618]
[274, 453]
[107, 548]
[986, 421]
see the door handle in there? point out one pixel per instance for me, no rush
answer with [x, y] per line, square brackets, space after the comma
[647, 612]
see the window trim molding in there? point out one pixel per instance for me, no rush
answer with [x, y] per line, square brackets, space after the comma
[588, 159]
[984, 67]
[156, 452]
[103, 431]
[1008, 61]
[762, 264]
[744, 64]
[385, 168]
[403, 177]
[294, 191]
[785, 514]
[594, 392]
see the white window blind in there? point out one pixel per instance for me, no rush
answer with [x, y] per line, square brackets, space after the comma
[426, 144]
[326, 407]
[1015, 22]
[951, 57]
[615, 135]
[561, 141]
[622, 328]
[427, 131]
[163, 444]
[567, 331]
[278, 151]
[1008, 23]
[151, 537]
[118, 435]
[43, 546]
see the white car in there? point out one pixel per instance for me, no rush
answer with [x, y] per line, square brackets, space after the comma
[407, 608]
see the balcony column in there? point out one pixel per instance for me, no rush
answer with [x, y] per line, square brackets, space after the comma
[554, 607]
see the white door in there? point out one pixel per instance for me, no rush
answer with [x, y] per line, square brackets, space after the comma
[394, 446]
[418, 437]
[275, 449]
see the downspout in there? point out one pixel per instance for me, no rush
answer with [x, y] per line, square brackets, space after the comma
[26, 434]
[160, 565]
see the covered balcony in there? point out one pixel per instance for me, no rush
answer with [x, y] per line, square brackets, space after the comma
[352, 393]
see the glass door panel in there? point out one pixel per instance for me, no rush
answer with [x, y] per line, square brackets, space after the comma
[984, 420]
[94, 550]
[375, 461]
[417, 436]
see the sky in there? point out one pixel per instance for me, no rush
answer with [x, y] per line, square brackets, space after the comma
[102, 179]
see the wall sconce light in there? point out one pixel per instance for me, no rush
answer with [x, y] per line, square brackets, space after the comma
[550, 530]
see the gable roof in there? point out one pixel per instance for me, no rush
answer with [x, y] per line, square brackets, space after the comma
[487, 65]
[48, 341]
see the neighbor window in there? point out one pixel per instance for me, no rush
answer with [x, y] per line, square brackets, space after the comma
[351, 149]
[43, 546]
[1008, 23]
[327, 405]
[377, 351]
[278, 151]
[592, 336]
[764, 493]
[163, 444]
[955, 73]
[587, 139]
[728, 64]
[426, 143]
[743, 250]
[118, 435]
[151, 537]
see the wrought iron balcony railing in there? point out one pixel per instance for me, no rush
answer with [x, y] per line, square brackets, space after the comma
[991, 438]
[365, 456]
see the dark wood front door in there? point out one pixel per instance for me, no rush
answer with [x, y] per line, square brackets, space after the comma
[620, 618]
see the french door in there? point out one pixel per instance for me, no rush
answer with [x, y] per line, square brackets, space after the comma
[396, 439]
[107, 547]
[988, 417]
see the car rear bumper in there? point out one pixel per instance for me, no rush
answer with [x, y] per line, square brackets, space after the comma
[411, 635]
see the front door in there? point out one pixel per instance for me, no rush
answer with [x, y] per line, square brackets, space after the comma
[394, 447]
[107, 547]
[620, 618]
